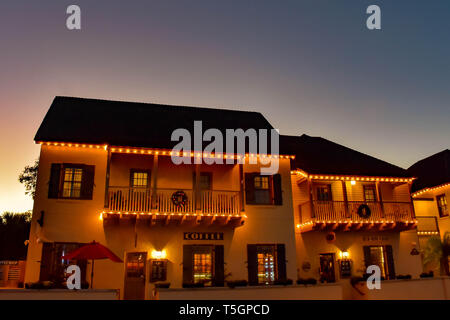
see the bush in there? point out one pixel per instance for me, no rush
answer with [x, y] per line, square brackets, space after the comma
[427, 274]
[307, 281]
[285, 282]
[237, 283]
[404, 277]
[162, 285]
[193, 285]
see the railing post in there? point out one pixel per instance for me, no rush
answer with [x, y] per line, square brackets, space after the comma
[344, 190]
[310, 192]
[197, 203]
[380, 198]
[108, 168]
[154, 194]
[241, 188]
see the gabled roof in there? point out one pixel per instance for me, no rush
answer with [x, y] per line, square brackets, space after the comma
[317, 155]
[133, 124]
[432, 171]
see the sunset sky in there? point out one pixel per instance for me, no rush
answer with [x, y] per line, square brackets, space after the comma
[309, 66]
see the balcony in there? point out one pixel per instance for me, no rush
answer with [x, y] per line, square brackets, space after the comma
[207, 206]
[427, 226]
[344, 216]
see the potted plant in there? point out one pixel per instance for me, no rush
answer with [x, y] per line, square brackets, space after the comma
[437, 252]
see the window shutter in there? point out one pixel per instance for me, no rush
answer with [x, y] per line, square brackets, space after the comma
[281, 262]
[278, 198]
[219, 266]
[87, 182]
[250, 188]
[46, 261]
[390, 262]
[187, 264]
[53, 185]
[367, 261]
[252, 262]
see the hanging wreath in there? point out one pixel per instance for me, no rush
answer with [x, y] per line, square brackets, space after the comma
[179, 199]
[364, 211]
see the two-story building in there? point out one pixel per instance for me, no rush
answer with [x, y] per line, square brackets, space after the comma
[351, 211]
[106, 174]
[431, 196]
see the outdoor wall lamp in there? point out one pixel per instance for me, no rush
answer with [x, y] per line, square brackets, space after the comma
[353, 182]
[159, 254]
[344, 255]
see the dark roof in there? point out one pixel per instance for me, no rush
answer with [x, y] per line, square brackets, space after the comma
[431, 171]
[134, 124]
[317, 155]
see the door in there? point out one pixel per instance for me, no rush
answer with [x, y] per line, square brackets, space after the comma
[134, 288]
[327, 273]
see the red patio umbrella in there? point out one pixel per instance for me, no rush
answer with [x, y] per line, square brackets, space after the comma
[92, 251]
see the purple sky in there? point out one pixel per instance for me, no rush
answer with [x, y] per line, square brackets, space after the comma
[309, 66]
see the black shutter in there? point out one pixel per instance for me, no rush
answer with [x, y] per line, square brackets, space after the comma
[252, 265]
[87, 182]
[367, 259]
[281, 262]
[278, 198]
[187, 264]
[390, 262]
[53, 185]
[218, 266]
[250, 188]
[46, 261]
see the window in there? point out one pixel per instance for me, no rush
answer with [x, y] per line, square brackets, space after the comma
[263, 189]
[370, 193]
[442, 205]
[205, 181]
[53, 266]
[71, 181]
[323, 192]
[202, 265]
[139, 178]
[266, 264]
[383, 257]
[158, 271]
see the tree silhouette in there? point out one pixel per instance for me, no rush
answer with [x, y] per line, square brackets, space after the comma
[28, 177]
[14, 231]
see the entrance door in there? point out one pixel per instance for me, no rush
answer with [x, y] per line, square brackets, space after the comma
[327, 273]
[135, 276]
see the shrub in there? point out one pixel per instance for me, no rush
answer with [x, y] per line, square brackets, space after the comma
[427, 274]
[193, 285]
[237, 283]
[404, 276]
[162, 285]
[285, 282]
[307, 281]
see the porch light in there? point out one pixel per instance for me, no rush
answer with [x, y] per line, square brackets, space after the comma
[344, 254]
[159, 254]
[353, 182]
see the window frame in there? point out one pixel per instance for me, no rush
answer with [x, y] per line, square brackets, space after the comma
[62, 175]
[135, 170]
[269, 189]
[318, 186]
[440, 208]
[374, 189]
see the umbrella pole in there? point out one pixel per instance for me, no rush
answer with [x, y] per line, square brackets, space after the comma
[92, 273]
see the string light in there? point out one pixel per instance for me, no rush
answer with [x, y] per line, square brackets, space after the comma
[348, 222]
[353, 179]
[415, 194]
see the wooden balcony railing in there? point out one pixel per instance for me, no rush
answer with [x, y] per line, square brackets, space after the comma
[126, 199]
[342, 211]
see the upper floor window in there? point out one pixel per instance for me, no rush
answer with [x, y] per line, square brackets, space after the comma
[370, 193]
[442, 205]
[205, 180]
[71, 181]
[323, 192]
[261, 189]
[140, 178]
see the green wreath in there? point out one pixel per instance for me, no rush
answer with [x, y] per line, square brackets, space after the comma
[364, 211]
[179, 199]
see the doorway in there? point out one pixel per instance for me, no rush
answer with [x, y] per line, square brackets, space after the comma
[135, 267]
[327, 272]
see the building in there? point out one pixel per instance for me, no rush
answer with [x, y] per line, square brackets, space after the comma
[351, 211]
[431, 195]
[106, 174]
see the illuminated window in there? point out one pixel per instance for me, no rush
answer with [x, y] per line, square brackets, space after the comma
[202, 268]
[140, 178]
[377, 258]
[72, 182]
[262, 190]
[442, 205]
[266, 264]
[370, 194]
